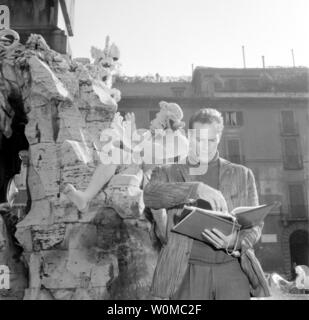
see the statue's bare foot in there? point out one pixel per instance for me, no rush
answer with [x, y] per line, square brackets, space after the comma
[76, 196]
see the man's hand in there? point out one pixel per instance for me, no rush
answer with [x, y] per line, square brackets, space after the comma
[213, 196]
[219, 240]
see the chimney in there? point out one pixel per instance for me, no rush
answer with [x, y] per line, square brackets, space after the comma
[293, 58]
[263, 62]
[243, 56]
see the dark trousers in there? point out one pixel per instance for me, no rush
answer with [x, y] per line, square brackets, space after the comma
[223, 281]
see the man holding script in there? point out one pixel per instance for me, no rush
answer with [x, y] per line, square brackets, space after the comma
[223, 267]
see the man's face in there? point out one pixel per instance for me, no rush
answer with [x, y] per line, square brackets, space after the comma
[207, 138]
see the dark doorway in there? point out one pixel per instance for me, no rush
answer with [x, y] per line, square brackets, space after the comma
[9, 147]
[299, 248]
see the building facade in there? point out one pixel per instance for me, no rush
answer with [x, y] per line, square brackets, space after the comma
[266, 128]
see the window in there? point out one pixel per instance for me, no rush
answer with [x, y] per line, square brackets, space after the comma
[288, 125]
[152, 114]
[218, 86]
[250, 85]
[233, 118]
[232, 85]
[297, 201]
[178, 91]
[292, 158]
[233, 150]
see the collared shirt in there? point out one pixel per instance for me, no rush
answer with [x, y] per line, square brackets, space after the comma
[202, 252]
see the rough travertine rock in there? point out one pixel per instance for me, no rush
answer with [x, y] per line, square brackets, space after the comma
[9, 256]
[69, 254]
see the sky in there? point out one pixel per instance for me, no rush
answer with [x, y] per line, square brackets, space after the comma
[169, 36]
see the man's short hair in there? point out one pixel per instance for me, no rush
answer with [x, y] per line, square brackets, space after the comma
[207, 115]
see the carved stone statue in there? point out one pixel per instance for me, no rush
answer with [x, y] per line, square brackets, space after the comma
[68, 255]
[168, 119]
[302, 278]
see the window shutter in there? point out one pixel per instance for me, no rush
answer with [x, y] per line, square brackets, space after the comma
[288, 123]
[292, 155]
[297, 200]
[240, 120]
[233, 146]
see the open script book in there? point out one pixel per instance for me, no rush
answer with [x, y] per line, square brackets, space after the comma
[197, 219]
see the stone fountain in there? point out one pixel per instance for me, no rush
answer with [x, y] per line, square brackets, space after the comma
[53, 251]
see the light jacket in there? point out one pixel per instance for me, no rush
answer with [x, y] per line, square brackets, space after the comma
[170, 187]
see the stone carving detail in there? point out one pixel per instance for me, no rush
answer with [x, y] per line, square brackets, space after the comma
[302, 278]
[282, 289]
[69, 254]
